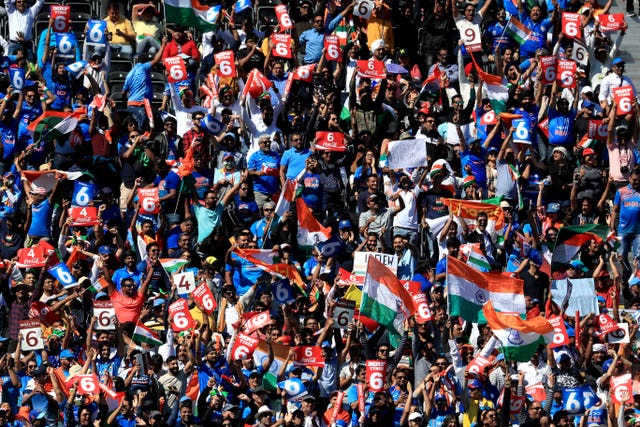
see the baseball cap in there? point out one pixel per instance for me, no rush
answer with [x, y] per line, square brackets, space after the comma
[588, 152]
[578, 265]
[553, 207]
[227, 156]
[618, 60]
[474, 384]
[345, 223]
[415, 416]
[104, 250]
[586, 89]
[66, 354]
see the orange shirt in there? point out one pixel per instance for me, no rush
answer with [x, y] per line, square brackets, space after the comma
[127, 309]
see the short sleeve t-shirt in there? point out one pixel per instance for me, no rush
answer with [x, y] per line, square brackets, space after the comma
[127, 309]
[628, 200]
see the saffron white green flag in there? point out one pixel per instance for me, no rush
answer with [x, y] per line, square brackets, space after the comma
[171, 265]
[520, 337]
[310, 231]
[191, 13]
[385, 300]
[142, 334]
[475, 257]
[470, 289]
[571, 238]
[517, 31]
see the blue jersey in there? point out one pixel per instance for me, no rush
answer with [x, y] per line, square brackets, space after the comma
[245, 274]
[628, 201]
[295, 161]
[537, 38]
[265, 184]
[40, 219]
[9, 135]
[477, 164]
[561, 127]
[495, 32]
[138, 83]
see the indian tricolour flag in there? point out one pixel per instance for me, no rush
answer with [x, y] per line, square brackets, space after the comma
[385, 299]
[571, 238]
[269, 260]
[475, 257]
[190, 13]
[310, 231]
[495, 90]
[99, 285]
[470, 289]
[142, 334]
[520, 337]
[517, 31]
[171, 265]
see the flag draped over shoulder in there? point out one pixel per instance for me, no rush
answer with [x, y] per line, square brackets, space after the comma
[310, 231]
[520, 337]
[470, 289]
[571, 238]
[385, 299]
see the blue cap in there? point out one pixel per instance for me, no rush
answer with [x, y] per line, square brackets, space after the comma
[535, 257]
[345, 223]
[228, 155]
[158, 302]
[105, 250]
[326, 344]
[563, 357]
[553, 208]
[588, 104]
[617, 61]
[571, 332]
[602, 300]
[493, 150]
[185, 399]
[606, 364]
[635, 281]
[474, 384]
[66, 354]
[439, 396]
[500, 357]
[578, 265]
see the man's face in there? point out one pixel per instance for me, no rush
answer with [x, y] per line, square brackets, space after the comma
[372, 183]
[186, 413]
[372, 241]
[173, 367]
[635, 180]
[618, 68]
[443, 56]
[112, 11]
[535, 13]
[398, 244]
[128, 287]
[318, 23]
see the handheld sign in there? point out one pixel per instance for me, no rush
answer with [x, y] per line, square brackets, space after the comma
[84, 216]
[105, 313]
[185, 282]
[180, 316]
[281, 45]
[63, 275]
[571, 25]
[623, 97]
[31, 335]
[363, 8]
[204, 298]
[344, 313]
[96, 32]
[376, 374]
[332, 48]
[330, 141]
[149, 200]
[226, 63]
[176, 68]
[83, 193]
[284, 20]
[243, 347]
[61, 16]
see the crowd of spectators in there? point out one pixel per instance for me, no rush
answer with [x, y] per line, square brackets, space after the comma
[137, 163]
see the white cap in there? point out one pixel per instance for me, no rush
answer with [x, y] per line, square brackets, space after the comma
[264, 409]
[586, 89]
[415, 416]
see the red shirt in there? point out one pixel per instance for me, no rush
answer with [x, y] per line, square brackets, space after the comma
[189, 48]
[127, 309]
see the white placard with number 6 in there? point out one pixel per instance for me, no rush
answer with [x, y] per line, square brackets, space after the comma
[343, 316]
[364, 8]
[31, 335]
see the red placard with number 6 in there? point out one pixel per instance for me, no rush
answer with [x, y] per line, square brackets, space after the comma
[332, 51]
[376, 373]
[149, 200]
[281, 45]
[61, 16]
[204, 298]
[623, 97]
[567, 73]
[226, 62]
[560, 336]
[176, 69]
[180, 316]
[571, 25]
[284, 20]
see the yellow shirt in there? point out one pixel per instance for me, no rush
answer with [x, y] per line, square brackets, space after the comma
[151, 29]
[380, 28]
[122, 24]
[471, 414]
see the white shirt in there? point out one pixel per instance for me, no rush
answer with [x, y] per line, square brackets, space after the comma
[408, 217]
[611, 82]
[22, 21]
[183, 114]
